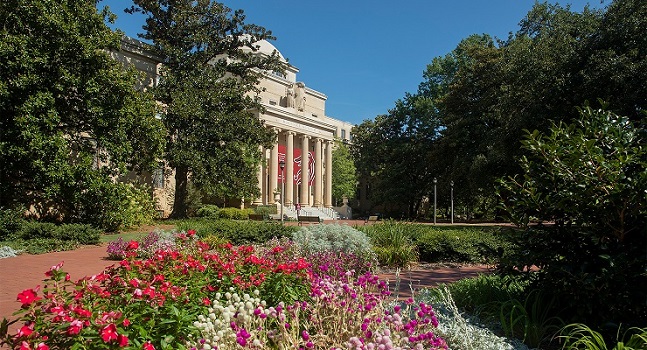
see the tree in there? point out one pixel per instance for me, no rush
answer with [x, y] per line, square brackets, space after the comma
[344, 173]
[209, 69]
[392, 154]
[589, 178]
[72, 118]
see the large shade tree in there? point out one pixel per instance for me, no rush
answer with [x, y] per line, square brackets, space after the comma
[391, 155]
[486, 92]
[344, 173]
[71, 117]
[208, 80]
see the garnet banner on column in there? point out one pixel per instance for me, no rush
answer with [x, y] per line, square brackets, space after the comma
[296, 175]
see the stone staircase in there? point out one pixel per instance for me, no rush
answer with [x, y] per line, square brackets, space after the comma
[322, 213]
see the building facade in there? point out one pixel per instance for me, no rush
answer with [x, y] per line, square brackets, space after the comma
[300, 161]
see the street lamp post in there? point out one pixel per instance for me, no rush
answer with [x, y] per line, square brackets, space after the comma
[435, 182]
[451, 184]
[282, 165]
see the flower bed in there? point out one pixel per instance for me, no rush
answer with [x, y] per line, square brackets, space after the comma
[191, 295]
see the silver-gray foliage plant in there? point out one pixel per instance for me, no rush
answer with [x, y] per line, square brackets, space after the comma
[463, 332]
[332, 238]
[8, 252]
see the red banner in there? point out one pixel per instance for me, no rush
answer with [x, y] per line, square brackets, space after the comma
[296, 173]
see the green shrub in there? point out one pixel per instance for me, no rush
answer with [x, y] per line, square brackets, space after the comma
[33, 230]
[116, 205]
[438, 243]
[10, 222]
[589, 178]
[207, 211]
[76, 233]
[234, 213]
[484, 295]
[80, 233]
[265, 210]
[238, 232]
[46, 245]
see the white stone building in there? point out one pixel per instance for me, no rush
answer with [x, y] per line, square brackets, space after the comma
[296, 113]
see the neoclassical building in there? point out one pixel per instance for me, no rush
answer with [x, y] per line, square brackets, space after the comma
[295, 112]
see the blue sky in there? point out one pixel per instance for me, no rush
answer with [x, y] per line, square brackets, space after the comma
[366, 54]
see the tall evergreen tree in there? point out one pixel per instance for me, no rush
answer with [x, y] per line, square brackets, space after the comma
[209, 72]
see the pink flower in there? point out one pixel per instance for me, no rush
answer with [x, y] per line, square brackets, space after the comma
[54, 268]
[109, 333]
[75, 327]
[148, 346]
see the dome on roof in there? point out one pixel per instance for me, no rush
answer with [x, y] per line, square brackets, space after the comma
[266, 48]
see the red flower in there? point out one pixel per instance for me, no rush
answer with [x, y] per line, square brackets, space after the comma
[42, 346]
[27, 297]
[132, 245]
[190, 233]
[123, 340]
[109, 333]
[26, 330]
[75, 327]
[148, 346]
[126, 322]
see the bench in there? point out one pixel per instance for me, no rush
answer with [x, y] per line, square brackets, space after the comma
[257, 217]
[303, 219]
[372, 218]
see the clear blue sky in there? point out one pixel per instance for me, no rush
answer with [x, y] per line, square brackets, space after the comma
[366, 54]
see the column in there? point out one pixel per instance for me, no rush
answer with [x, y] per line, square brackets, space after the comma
[305, 193]
[259, 176]
[274, 168]
[318, 170]
[328, 187]
[289, 169]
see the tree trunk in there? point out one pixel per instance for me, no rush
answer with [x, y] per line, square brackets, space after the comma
[181, 193]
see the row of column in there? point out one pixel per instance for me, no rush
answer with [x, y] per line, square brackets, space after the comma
[321, 194]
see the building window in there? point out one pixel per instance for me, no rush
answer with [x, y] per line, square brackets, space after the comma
[279, 74]
[158, 176]
[343, 134]
[314, 115]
